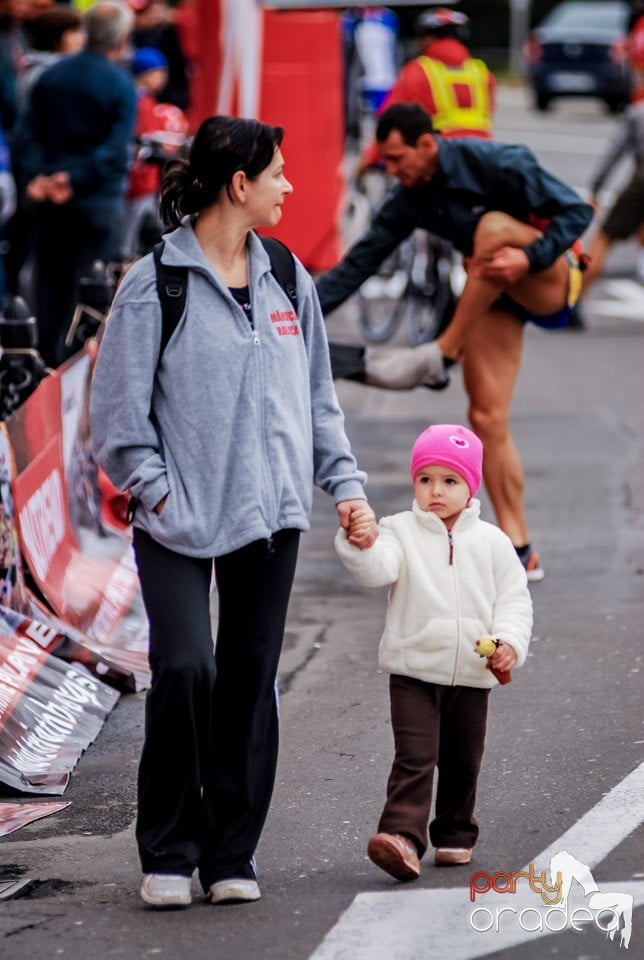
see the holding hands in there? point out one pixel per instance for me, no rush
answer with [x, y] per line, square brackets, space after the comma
[56, 188]
[359, 520]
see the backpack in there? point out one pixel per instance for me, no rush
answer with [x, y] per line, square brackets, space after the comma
[172, 284]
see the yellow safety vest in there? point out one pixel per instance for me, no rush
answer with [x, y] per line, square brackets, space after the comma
[442, 80]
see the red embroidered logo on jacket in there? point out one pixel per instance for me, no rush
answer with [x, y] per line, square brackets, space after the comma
[286, 321]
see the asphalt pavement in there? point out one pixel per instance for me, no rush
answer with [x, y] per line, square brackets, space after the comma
[563, 736]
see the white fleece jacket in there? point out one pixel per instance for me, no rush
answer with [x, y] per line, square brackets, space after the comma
[446, 590]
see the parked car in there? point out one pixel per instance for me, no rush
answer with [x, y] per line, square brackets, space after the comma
[580, 50]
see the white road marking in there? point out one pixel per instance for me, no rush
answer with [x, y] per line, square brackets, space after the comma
[624, 289]
[605, 825]
[434, 924]
[619, 298]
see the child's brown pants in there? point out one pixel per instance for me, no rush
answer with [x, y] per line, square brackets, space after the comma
[442, 727]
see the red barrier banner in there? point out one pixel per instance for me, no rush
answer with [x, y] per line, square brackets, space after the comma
[50, 712]
[88, 578]
[66, 643]
[81, 471]
[15, 814]
[12, 584]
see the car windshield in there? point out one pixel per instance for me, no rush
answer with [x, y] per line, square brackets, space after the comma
[589, 16]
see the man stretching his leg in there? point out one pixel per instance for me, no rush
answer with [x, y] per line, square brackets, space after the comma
[515, 224]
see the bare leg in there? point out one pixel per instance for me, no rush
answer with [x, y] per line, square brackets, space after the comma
[597, 252]
[491, 361]
[543, 292]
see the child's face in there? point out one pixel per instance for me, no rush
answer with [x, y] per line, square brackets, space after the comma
[443, 491]
[153, 80]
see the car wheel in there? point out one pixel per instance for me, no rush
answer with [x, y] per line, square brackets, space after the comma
[541, 101]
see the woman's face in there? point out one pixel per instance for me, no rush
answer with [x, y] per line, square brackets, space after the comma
[267, 193]
[72, 41]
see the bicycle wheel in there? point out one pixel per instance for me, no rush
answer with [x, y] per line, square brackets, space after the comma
[382, 298]
[430, 299]
[426, 319]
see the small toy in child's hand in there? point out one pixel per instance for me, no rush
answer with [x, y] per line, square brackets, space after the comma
[486, 646]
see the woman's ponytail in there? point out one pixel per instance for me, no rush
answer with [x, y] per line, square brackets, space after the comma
[221, 146]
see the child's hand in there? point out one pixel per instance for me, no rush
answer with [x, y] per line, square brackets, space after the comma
[503, 658]
[363, 529]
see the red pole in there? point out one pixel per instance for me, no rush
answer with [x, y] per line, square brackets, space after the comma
[205, 82]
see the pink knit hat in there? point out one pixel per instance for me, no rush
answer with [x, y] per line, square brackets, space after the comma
[450, 445]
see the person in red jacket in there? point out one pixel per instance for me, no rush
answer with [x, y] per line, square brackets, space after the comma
[456, 89]
[149, 68]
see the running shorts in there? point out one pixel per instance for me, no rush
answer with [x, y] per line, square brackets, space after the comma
[549, 321]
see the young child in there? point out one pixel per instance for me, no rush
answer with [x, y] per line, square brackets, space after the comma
[453, 578]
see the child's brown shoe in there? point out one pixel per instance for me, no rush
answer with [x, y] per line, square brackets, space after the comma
[452, 856]
[394, 854]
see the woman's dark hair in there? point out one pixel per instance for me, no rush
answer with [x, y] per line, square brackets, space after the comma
[221, 147]
[409, 119]
[47, 29]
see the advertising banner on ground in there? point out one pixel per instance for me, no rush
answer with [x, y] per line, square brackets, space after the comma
[15, 814]
[50, 712]
[87, 578]
[64, 642]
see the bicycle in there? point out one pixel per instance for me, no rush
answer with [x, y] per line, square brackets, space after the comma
[21, 366]
[416, 287]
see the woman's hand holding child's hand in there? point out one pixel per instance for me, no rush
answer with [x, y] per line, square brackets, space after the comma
[363, 527]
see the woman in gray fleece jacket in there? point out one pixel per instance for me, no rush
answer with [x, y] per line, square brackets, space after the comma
[219, 440]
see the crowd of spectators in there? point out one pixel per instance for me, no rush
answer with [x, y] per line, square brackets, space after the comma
[79, 83]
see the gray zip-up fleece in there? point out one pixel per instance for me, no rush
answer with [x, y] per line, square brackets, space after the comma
[236, 423]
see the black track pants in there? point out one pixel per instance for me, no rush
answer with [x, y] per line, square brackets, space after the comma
[211, 729]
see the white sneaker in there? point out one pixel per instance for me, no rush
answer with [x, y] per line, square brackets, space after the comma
[403, 368]
[436, 376]
[166, 890]
[234, 891]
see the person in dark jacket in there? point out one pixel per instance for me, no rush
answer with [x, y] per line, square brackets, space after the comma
[515, 223]
[71, 147]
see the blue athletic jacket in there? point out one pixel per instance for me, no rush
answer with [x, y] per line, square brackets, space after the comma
[473, 176]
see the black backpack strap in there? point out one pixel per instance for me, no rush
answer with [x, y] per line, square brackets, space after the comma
[172, 284]
[282, 267]
[172, 289]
